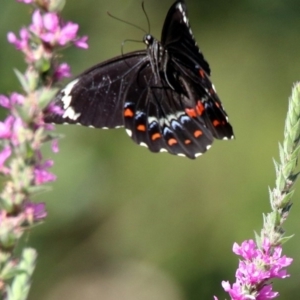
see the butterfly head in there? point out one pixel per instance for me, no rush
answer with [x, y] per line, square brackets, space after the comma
[148, 39]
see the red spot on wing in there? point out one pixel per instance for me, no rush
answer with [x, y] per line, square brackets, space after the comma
[141, 127]
[197, 133]
[197, 111]
[172, 142]
[128, 113]
[191, 112]
[202, 73]
[216, 123]
[155, 136]
[187, 142]
[200, 108]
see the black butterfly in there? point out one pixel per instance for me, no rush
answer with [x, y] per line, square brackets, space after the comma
[162, 95]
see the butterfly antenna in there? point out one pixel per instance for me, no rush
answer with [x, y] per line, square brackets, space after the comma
[127, 40]
[144, 10]
[126, 22]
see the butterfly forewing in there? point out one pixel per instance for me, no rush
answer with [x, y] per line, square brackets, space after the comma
[96, 97]
[178, 38]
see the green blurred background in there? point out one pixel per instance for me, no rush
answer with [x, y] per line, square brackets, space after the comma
[128, 224]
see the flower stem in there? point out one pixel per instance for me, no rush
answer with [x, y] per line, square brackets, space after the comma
[20, 286]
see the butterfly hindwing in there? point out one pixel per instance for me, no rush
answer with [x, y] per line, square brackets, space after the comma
[158, 118]
[206, 103]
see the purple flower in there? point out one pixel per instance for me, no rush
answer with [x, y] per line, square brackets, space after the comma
[247, 249]
[266, 293]
[68, 33]
[41, 175]
[10, 102]
[52, 108]
[4, 155]
[37, 23]
[16, 98]
[235, 292]
[4, 101]
[12, 129]
[6, 128]
[23, 42]
[82, 42]
[62, 71]
[49, 28]
[35, 212]
[17, 135]
[26, 1]
[54, 146]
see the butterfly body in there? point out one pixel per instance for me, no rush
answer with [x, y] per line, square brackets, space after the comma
[162, 95]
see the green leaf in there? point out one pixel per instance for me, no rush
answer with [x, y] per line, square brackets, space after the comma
[276, 165]
[287, 197]
[285, 239]
[281, 153]
[57, 5]
[21, 77]
[289, 168]
[45, 96]
[280, 181]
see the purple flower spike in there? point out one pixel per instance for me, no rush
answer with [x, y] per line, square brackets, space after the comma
[24, 132]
